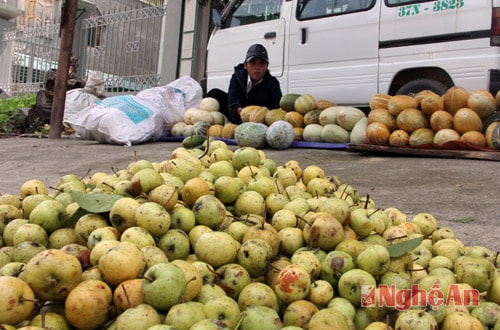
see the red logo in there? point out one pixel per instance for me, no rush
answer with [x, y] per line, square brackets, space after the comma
[404, 299]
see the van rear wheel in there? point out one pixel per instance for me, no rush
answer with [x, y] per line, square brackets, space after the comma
[419, 85]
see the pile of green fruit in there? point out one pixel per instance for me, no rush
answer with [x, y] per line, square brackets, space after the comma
[221, 238]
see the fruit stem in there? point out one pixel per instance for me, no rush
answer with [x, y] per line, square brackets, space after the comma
[245, 220]
[58, 189]
[129, 303]
[397, 237]
[367, 201]
[34, 301]
[205, 152]
[344, 192]
[302, 219]
[88, 171]
[369, 215]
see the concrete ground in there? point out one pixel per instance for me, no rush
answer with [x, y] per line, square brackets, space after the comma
[450, 189]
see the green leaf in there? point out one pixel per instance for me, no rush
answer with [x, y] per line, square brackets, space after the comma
[400, 248]
[465, 220]
[80, 212]
[95, 203]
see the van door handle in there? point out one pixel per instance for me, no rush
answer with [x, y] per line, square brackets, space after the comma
[303, 35]
[270, 35]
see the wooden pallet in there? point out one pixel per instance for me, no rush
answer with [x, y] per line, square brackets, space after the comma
[449, 150]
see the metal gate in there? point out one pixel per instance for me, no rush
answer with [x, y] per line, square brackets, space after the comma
[33, 52]
[124, 45]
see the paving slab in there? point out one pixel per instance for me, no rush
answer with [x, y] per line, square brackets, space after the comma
[463, 194]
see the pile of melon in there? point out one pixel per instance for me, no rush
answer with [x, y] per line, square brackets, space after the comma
[429, 118]
[426, 118]
[300, 117]
[312, 120]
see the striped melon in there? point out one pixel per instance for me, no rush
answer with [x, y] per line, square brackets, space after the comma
[411, 119]
[455, 98]
[379, 101]
[398, 103]
[492, 135]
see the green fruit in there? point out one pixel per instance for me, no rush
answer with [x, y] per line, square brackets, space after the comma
[193, 141]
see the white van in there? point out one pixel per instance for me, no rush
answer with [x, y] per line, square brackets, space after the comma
[347, 50]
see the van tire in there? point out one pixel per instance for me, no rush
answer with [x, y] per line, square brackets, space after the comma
[419, 85]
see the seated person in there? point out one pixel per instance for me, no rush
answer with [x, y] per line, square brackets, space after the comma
[251, 84]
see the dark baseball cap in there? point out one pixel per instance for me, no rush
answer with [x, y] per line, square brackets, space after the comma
[256, 51]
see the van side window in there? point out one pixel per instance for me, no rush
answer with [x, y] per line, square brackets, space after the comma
[253, 11]
[308, 9]
[404, 2]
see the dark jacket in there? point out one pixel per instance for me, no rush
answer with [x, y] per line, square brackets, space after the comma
[267, 93]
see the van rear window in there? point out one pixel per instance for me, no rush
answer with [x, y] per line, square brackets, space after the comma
[308, 9]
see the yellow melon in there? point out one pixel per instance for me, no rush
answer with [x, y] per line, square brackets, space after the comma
[215, 130]
[412, 119]
[398, 103]
[497, 100]
[492, 139]
[482, 102]
[383, 116]
[377, 133]
[399, 138]
[258, 115]
[248, 110]
[474, 137]
[298, 133]
[446, 135]
[323, 104]
[465, 120]
[418, 96]
[305, 103]
[312, 117]
[431, 102]
[441, 119]
[274, 115]
[455, 98]
[228, 130]
[379, 101]
[295, 118]
[421, 136]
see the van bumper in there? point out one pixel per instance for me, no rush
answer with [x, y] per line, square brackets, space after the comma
[494, 84]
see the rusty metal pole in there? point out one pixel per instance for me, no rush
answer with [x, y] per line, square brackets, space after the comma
[67, 30]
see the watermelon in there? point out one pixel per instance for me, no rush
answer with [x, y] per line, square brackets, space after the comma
[280, 135]
[251, 134]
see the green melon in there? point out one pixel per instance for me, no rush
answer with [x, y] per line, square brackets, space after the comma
[287, 101]
[358, 133]
[332, 133]
[312, 133]
[251, 134]
[280, 135]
